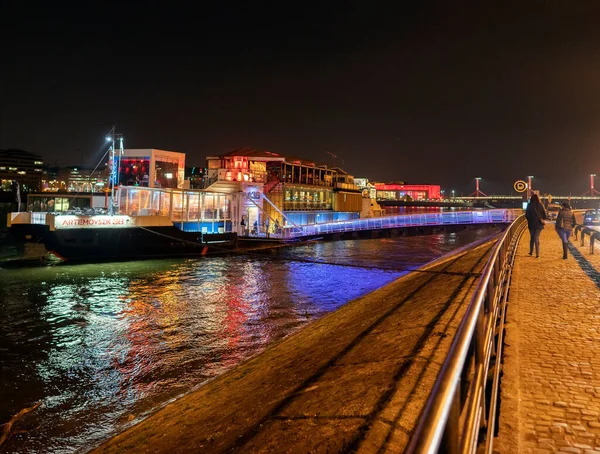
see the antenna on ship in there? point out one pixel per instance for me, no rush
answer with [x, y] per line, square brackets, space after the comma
[113, 170]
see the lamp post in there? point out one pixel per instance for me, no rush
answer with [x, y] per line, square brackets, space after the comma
[529, 178]
[112, 169]
[453, 193]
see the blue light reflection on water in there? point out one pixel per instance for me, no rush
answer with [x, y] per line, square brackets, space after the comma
[341, 285]
[97, 344]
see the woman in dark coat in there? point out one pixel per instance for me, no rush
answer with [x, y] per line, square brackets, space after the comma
[536, 215]
[565, 221]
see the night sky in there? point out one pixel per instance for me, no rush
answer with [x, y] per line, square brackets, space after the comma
[424, 92]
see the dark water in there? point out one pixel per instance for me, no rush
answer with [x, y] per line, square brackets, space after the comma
[101, 345]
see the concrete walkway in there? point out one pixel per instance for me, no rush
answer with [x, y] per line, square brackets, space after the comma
[551, 381]
[356, 380]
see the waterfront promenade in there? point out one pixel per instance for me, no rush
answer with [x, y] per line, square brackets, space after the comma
[551, 381]
[355, 380]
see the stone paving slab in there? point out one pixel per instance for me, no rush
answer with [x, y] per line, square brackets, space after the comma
[550, 391]
[354, 381]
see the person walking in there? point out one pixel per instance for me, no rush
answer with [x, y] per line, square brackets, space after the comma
[565, 221]
[535, 215]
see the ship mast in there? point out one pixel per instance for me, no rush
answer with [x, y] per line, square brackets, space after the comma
[113, 167]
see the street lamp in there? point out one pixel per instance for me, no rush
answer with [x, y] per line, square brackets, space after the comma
[112, 171]
[529, 178]
[453, 193]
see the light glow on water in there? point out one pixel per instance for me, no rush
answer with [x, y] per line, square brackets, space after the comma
[102, 344]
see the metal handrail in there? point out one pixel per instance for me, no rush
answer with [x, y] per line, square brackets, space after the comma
[584, 230]
[408, 220]
[209, 181]
[469, 360]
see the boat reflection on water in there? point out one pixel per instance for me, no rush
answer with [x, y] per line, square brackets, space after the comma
[101, 345]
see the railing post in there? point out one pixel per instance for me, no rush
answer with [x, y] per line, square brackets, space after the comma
[480, 357]
[451, 441]
[489, 297]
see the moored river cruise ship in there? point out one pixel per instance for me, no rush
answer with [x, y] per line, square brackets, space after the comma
[147, 223]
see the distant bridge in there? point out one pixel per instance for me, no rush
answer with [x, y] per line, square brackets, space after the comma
[495, 201]
[519, 197]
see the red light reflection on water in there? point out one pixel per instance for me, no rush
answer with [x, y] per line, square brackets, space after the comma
[232, 324]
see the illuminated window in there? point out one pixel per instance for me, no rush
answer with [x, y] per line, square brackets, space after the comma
[164, 168]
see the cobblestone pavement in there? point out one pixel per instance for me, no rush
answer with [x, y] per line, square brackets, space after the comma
[551, 382]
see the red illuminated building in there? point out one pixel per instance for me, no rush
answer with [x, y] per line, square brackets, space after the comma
[404, 191]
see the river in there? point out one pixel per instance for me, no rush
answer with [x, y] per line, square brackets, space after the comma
[101, 346]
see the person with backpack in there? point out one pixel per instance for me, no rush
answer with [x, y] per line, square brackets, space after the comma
[565, 221]
[536, 216]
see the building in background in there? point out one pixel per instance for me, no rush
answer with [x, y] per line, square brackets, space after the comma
[370, 207]
[75, 179]
[408, 192]
[367, 188]
[23, 167]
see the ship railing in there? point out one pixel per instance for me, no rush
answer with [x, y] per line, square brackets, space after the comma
[305, 206]
[234, 174]
[348, 186]
[460, 414]
[407, 220]
[38, 217]
[27, 217]
[210, 180]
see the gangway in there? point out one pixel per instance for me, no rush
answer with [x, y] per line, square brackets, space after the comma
[394, 222]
